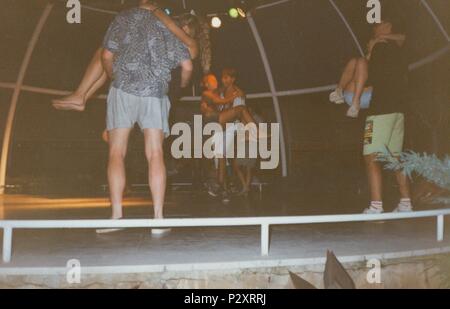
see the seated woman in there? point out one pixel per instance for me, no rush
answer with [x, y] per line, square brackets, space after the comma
[352, 88]
[190, 29]
[212, 103]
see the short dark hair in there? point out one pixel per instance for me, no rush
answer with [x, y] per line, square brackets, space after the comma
[232, 72]
[394, 16]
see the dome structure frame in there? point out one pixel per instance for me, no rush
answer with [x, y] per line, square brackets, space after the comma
[274, 94]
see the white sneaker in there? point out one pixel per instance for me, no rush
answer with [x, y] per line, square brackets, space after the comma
[160, 232]
[337, 96]
[373, 211]
[403, 208]
[353, 112]
[107, 231]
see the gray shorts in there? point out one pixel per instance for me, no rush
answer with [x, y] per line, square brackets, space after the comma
[124, 110]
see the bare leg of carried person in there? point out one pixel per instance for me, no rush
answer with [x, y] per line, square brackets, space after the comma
[353, 79]
[242, 114]
[360, 77]
[94, 78]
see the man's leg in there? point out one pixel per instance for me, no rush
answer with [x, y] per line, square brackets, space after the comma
[154, 139]
[239, 171]
[374, 175]
[118, 142]
[377, 134]
[396, 147]
[403, 184]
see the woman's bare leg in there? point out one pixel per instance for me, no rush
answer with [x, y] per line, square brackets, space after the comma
[238, 170]
[240, 113]
[222, 173]
[348, 74]
[249, 177]
[93, 79]
[97, 85]
[361, 75]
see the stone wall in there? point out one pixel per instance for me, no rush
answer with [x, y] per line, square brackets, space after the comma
[425, 272]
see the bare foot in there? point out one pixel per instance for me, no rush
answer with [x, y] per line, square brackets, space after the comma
[72, 102]
[353, 111]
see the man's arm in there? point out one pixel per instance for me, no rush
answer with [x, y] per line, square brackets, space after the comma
[107, 61]
[216, 99]
[186, 72]
[190, 43]
[397, 37]
[111, 44]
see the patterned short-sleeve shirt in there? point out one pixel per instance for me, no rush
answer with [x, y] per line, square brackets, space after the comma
[145, 53]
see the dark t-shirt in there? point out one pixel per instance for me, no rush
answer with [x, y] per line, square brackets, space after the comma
[388, 75]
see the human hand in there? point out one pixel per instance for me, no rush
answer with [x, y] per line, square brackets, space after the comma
[149, 6]
[374, 42]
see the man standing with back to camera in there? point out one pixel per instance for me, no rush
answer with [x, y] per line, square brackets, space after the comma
[139, 55]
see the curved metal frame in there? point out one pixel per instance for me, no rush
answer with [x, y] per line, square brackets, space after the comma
[276, 103]
[347, 25]
[15, 98]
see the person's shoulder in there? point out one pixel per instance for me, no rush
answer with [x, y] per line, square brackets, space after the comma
[381, 46]
[126, 14]
[240, 92]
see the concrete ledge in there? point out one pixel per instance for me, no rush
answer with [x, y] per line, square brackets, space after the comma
[414, 269]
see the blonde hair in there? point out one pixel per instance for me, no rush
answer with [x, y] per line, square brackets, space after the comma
[200, 33]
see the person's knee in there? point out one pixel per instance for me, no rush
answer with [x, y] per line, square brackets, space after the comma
[240, 109]
[99, 52]
[117, 154]
[370, 159]
[353, 62]
[154, 155]
[362, 63]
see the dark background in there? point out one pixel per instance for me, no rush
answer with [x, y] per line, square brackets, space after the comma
[307, 45]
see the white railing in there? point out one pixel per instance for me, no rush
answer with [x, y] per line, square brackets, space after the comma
[265, 222]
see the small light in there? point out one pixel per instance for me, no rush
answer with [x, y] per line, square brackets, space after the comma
[241, 12]
[216, 22]
[233, 12]
[168, 11]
